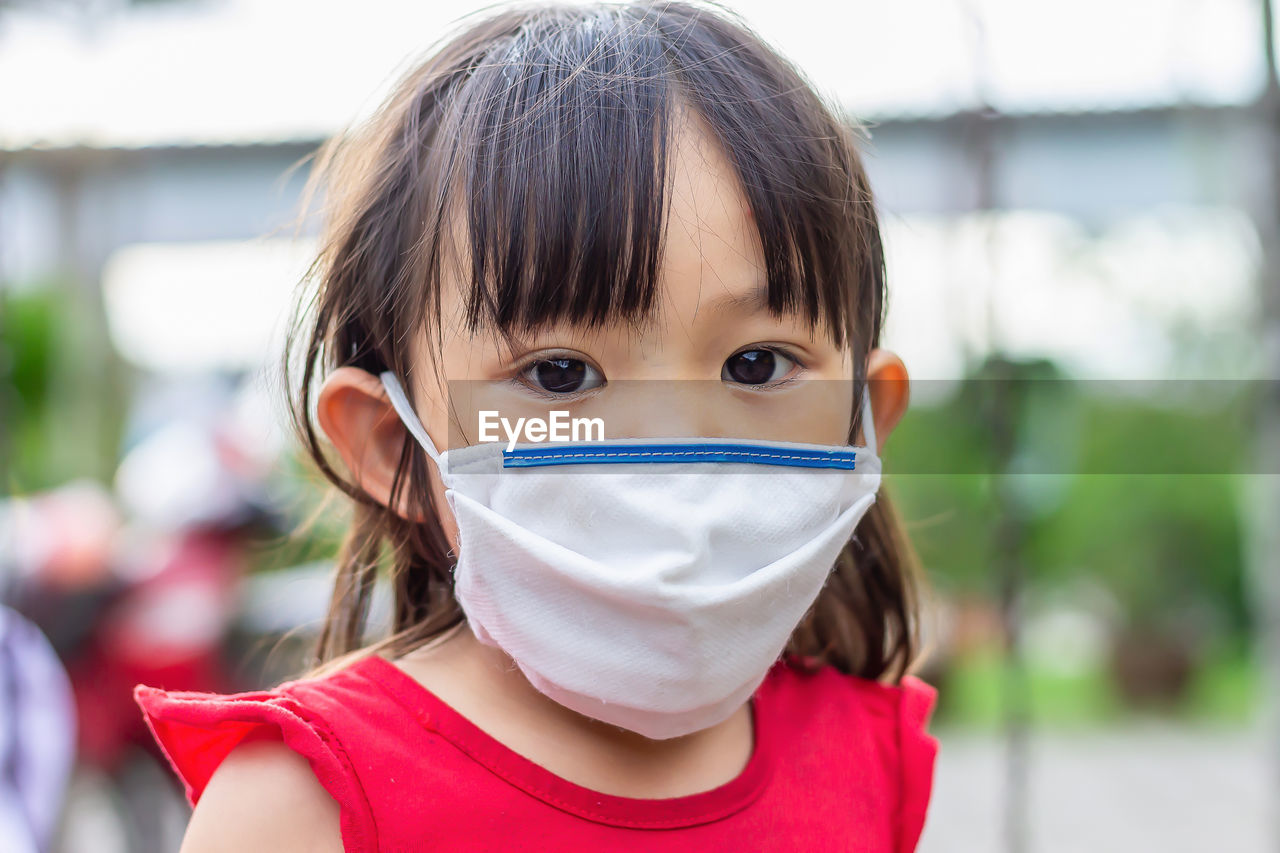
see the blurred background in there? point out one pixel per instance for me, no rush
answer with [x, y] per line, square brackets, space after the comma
[1082, 217]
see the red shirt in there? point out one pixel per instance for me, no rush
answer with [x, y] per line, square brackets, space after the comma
[840, 764]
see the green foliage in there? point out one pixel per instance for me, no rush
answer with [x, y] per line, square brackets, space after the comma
[1228, 687]
[1079, 479]
[1225, 691]
[977, 689]
[28, 330]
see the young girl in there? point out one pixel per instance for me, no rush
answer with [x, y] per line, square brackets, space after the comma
[692, 632]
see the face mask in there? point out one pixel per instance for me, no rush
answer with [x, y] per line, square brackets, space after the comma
[648, 583]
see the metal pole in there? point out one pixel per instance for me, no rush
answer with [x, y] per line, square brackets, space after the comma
[1264, 556]
[1005, 403]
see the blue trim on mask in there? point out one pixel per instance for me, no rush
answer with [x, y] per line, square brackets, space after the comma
[537, 457]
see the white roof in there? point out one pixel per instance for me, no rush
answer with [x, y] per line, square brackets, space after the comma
[242, 71]
[198, 306]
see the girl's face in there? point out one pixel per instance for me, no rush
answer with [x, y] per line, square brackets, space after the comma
[712, 361]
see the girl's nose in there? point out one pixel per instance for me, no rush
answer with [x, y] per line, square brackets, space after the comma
[670, 408]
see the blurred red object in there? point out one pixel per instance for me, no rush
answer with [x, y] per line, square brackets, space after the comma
[165, 630]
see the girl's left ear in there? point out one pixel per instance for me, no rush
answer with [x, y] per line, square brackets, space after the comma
[890, 389]
[355, 413]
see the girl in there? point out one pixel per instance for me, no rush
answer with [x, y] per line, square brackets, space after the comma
[693, 634]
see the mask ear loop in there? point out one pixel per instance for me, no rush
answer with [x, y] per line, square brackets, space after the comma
[399, 401]
[868, 422]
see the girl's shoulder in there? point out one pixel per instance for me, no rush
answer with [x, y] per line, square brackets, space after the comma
[878, 730]
[320, 719]
[818, 697]
[908, 704]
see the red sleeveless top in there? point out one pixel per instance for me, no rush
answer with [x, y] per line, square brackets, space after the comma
[839, 763]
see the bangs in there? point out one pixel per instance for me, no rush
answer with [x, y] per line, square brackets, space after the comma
[556, 145]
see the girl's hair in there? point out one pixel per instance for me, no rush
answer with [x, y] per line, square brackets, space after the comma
[545, 132]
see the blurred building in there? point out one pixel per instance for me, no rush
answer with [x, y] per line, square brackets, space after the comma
[179, 122]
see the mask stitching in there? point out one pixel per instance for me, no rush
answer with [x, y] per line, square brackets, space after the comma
[535, 456]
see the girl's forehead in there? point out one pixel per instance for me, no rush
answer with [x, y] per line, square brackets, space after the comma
[711, 244]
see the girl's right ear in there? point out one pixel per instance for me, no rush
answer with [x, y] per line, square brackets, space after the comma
[356, 415]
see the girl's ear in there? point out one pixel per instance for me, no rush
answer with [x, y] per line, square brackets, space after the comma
[890, 390]
[354, 412]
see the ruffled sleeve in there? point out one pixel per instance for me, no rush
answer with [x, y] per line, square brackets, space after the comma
[919, 751]
[196, 731]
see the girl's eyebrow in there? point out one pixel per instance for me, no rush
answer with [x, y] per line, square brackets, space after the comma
[512, 343]
[515, 342]
[755, 300]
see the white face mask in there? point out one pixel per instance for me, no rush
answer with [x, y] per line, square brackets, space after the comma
[649, 583]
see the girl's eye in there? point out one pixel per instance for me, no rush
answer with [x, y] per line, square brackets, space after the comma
[757, 367]
[563, 375]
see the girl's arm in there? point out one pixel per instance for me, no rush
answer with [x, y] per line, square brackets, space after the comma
[264, 797]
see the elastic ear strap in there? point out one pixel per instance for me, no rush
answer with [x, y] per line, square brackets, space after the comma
[868, 422]
[410, 418]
